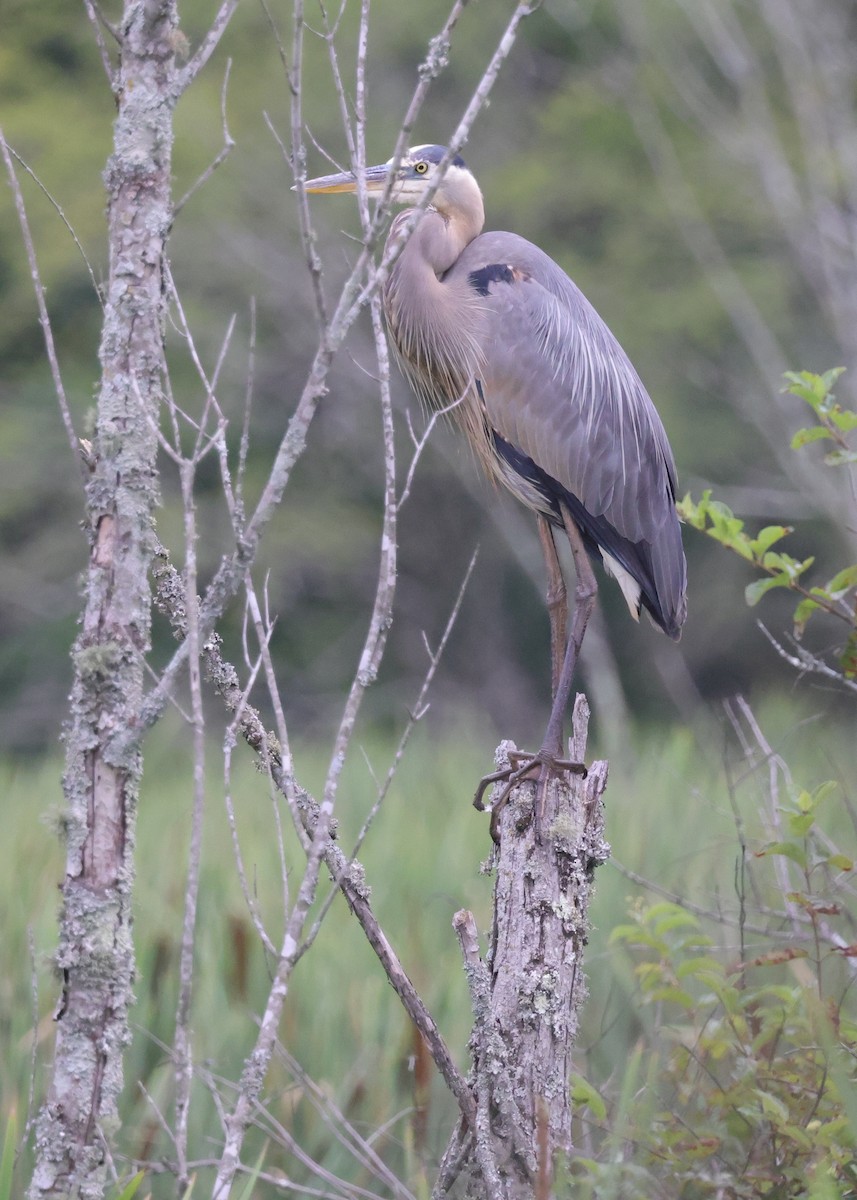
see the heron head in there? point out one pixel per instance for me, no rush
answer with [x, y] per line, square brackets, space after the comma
[415, 174]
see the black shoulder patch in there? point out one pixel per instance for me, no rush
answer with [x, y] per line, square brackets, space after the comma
[494, 273]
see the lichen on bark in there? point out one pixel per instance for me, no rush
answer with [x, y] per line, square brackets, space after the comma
[95, 956]
[532, 986]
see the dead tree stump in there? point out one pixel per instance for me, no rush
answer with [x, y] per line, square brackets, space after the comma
[527, 994]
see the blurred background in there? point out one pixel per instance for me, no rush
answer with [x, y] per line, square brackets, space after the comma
[691, 165]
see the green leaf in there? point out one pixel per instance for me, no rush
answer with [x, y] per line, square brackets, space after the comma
[651, 974]
[247, 1190]
[824, 790]
[842, 582]
[815, 389]
[801, 823]
[754, 592]
[773, 561]
[840, 458]
[797, 1135]
[848, 657]
[695, 515]
[585, 1095]
[844, 419]
[668, 908]
[702, 965]
[728, 529]
[773, 1107]
[830, 377]
[131, 1188]
[7, 1162]
[841, 862]
[678, 919]
[786, 850]
[624, 933]
[805, 385]
[766, 537]
[802, 614]
[675, 994]
[814, 433]
[805, 801]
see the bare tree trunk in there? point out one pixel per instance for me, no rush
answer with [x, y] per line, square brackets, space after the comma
[103, 763]
[527, 996]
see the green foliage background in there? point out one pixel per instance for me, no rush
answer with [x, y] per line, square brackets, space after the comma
[560, 161]
[687, 810]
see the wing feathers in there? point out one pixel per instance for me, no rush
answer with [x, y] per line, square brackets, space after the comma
[558, 388]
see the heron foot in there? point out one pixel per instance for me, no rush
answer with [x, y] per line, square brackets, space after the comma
[522, 764]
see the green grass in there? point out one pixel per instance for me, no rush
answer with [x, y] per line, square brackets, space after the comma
[669, 818]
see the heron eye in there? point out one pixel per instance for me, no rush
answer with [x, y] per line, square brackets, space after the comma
[421, 168]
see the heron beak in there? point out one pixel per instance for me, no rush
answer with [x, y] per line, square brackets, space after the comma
[375, 177]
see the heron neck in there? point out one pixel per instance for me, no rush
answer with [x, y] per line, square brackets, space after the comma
[440, 237]
[419, 301]
[433, 315]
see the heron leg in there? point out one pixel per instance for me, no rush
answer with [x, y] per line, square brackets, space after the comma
[557, 600]
[549, 758]
[585, 591]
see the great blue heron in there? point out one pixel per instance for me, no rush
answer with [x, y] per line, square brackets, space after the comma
[487, 326]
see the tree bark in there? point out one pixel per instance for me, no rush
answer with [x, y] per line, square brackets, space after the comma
[95, 954]
[528, 993]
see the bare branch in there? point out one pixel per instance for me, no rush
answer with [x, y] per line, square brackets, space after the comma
[416, 713]
[344, 1132]
[806, 663]
[244, 447]
[99, 22]
[44, 318]
[182, 1050]
[228, 143]
[245, 719]
[207, 47]
[353, 296]
[350, 877]
[256, 1067]
[101, 779]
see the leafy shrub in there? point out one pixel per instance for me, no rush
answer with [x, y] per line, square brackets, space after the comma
[837, 597]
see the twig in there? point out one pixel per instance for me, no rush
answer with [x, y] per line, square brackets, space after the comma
[420, 445]
[336, 1121]
[228, 143]
[182, 1051]
[743, 68]
[709, 914]
[244, 715]
[355, 293]
[419, 707]
[806, 663]
[244, 445]
[34, 1056]
[98, 20]
[351, 877]
[207, 47]
[415, 714]
[256, 1068]
[58, 209]
[44, 318]
[267, 1122]
[298, 161]
[775, 766]
[286, 765]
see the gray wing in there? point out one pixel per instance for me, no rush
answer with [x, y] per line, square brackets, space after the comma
[558, 386]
